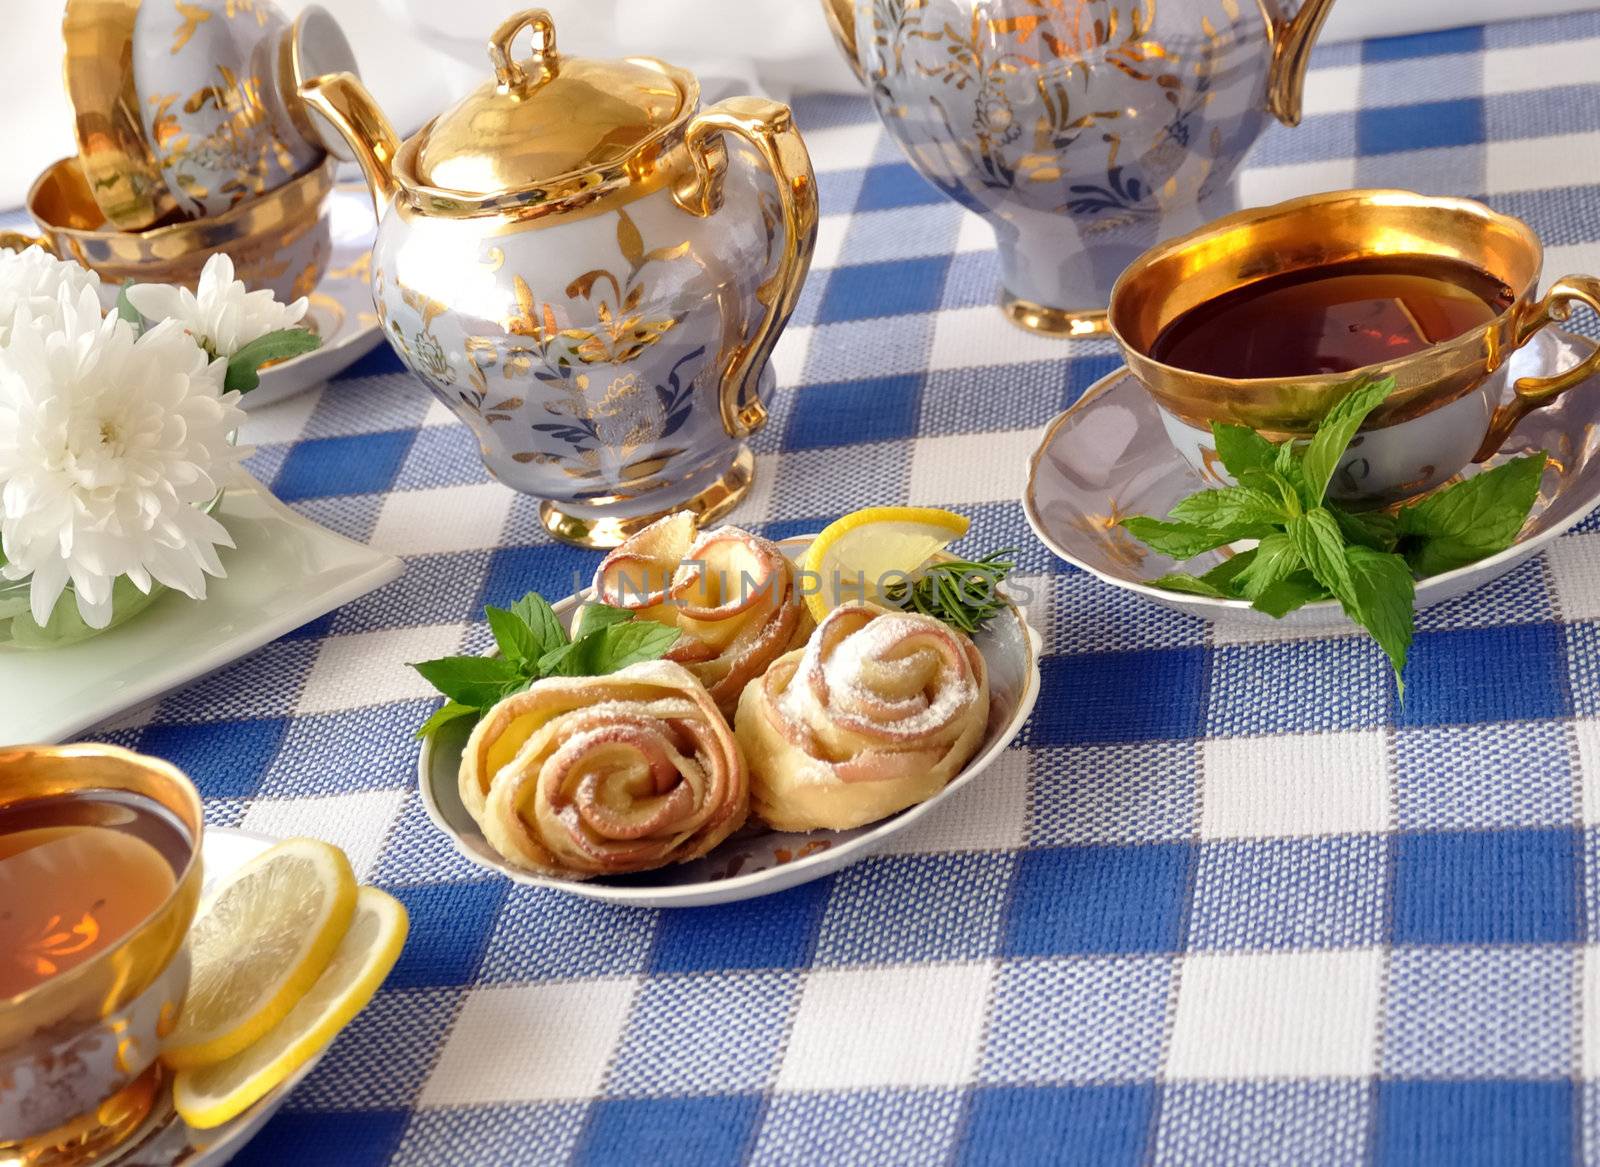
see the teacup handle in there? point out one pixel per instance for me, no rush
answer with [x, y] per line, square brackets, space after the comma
[1531, 393]
[21, 241]
[769, 127]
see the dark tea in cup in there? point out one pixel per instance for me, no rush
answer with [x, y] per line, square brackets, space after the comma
[1333, 318]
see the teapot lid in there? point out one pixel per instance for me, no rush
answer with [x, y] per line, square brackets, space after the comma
[547, 116]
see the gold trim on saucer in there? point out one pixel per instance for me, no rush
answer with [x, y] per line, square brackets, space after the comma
[1047, 321]
[709, 505]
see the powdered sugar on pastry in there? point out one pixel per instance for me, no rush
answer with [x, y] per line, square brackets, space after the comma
[584, 776]
[878, 712]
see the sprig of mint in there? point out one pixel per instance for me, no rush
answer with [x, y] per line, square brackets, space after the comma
[533, 644]
[1311, 549]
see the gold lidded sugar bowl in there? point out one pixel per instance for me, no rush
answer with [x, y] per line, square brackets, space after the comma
[591, 271]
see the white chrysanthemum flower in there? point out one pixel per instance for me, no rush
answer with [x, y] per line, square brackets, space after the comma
[33, 278]
[109, 446]
[220, 314]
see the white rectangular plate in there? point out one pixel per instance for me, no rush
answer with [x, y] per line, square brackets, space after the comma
[285, 571]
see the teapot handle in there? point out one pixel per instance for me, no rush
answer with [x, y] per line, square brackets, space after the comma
[769, 127]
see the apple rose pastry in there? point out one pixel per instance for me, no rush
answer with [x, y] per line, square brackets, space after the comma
[585, 776]
[875, 714]
[733, 597]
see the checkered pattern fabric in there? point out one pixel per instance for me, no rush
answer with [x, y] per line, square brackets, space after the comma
[1225, 902]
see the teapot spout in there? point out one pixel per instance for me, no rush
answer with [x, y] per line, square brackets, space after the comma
[343, 103]
[1292, 41]
[841, 16]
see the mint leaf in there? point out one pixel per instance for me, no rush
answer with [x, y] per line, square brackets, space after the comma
[1230, 506]
[1334, 434]
[1241, 448]
[1194, 585]
[444, 715]
[1186, 540]
[1372, 529]
[1382, 599]
[1288, 594]
[1472, 519]
[1284, 492]
[542, 622]
[515, 639]
[628, 644]
[1286, 461]
[244, 367]
[1317, 538]
[1219, 582]
[1225, 575]
[125, 308]
[554, 662]
[1275, 559]
[613, 647]
[598, 616]
[469, 680]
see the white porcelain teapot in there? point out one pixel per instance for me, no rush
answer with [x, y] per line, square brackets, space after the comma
[1084, 131]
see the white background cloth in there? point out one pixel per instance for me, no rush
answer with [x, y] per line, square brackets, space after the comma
[418, 54]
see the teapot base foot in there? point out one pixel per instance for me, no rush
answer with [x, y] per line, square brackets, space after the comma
[1068, 323]
[709, 505]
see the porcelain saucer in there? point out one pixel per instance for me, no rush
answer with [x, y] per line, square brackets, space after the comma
[341, 307]
[1108, 457]
[166, 1140]
[283, 571]
[755, 861]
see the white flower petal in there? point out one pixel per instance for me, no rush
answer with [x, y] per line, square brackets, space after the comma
[108, 442]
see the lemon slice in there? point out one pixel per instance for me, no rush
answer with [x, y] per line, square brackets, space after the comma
[857, 552]
[259, 942]
[209, 1096]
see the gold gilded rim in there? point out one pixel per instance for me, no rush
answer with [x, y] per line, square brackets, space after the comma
[1067, 323]
[86, 766]
[1241, 248]
[294, 202]
[709, 505]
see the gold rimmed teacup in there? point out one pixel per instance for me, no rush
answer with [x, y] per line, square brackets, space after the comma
[279, 241]
[1446, 408]
[78, 1050]
[185, 110]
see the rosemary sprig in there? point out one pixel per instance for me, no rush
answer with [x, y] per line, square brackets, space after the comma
[964, 593]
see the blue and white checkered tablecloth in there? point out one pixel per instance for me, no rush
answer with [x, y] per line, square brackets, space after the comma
[1225, 902]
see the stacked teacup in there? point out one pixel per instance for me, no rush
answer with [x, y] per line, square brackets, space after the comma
[192, 140]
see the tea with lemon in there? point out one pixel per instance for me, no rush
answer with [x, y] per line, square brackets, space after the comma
[77, 873]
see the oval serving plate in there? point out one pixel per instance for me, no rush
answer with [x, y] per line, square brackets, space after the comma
[1108, 456]
[754, 861]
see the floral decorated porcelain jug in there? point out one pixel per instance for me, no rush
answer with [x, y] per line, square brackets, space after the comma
[1084, 131]
[591, 272]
